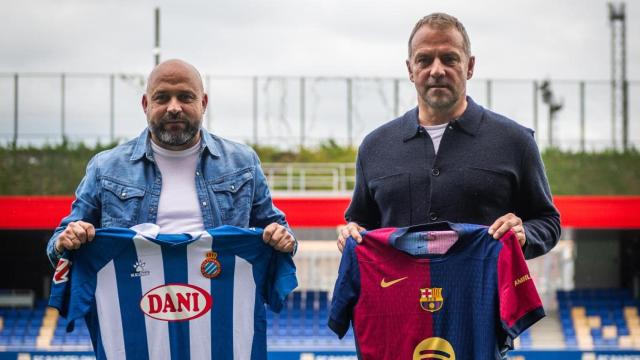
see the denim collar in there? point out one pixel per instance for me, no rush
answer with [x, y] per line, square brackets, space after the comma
[142, 146]
[469, 122]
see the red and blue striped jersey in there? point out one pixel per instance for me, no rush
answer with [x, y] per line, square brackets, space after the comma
[439, 290]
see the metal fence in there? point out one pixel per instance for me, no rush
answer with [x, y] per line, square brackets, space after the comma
[45, 108]
[309, 177]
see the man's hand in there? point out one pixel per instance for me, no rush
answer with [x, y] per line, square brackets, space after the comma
[76, 234]
[351, 229]
[504, 224]
[278, 237]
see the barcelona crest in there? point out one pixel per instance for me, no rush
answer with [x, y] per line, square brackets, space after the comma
[431, 299]
[210, 266]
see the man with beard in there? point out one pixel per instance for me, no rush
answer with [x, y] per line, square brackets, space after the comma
[175, 174]
[449, 159]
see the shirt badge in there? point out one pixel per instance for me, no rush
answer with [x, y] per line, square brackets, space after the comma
[386, 284]
[431, 299]
[62, 271]
[139, 270]
[210, 266]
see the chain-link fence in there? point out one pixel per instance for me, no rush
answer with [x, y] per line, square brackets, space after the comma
[45, 108]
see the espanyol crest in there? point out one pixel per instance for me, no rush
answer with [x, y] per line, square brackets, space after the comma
[210, 266]
[431, 299]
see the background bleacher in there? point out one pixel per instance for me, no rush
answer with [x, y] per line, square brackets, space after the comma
[599, 318]
[591, 319]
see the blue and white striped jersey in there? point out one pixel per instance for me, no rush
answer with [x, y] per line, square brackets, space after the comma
[186, 296]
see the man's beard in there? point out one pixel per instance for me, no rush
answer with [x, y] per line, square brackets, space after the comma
[442, 102]
[174, 138]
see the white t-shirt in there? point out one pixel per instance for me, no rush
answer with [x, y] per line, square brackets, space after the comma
[178, 209]
[436, 132]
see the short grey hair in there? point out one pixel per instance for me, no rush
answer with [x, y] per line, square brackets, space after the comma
[443, 21]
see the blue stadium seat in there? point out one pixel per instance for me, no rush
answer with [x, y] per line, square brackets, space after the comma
[607, 304]
[16, 340]
[295, 300]
[29, 340]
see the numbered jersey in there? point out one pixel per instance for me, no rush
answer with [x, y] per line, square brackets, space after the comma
[434, 291]
[196, 295]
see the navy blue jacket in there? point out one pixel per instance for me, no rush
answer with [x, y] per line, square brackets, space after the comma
[486, 166]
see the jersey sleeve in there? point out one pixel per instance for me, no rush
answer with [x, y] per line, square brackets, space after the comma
[282, 279]
[72, 290]
[520, 304]
[74, 281]
[346, 290]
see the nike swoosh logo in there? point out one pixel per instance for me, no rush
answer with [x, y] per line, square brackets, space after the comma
[385, 284]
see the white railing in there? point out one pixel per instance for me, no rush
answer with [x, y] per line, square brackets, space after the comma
[305, 177]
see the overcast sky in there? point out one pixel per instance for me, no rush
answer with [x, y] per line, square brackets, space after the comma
[511, 39]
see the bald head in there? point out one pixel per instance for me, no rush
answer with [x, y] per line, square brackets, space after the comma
[174, 104]
[174, 71]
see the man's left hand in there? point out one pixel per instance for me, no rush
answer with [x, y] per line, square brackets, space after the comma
[278, 237]
[508, 222]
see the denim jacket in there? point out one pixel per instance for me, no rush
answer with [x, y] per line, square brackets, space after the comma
[121, 188]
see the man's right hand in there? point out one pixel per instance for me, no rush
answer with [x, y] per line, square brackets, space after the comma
[76, 234]
[351, 229]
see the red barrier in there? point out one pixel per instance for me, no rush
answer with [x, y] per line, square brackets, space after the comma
[599, 212]
[586, 212]
[313, 212]
[33, 212]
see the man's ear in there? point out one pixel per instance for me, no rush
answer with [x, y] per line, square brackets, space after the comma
[205, 101]
[409, 69]
[470, 66]
[145, 103]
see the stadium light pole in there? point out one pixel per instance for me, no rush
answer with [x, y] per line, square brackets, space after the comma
[156, 48]
[619, 88]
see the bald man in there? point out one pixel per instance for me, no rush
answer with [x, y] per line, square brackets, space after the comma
[175, 174]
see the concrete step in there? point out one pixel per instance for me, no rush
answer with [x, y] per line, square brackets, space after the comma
[547, 333]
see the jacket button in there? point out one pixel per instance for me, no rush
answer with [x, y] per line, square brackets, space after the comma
[435, 171]
[123, 195]
[433, 216]
[204, 203]
[233, 187]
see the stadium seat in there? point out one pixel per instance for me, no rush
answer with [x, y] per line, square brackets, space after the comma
[598, 318]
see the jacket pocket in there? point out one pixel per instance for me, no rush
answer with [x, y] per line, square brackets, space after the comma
[489, 190]
[233, 194]
[392, 194]
[120, 204]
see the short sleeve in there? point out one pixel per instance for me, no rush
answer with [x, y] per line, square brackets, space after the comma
[72, 289]
[75, 279]
[61, 286]
[346, 290]
[520, 304]
[281, 280]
